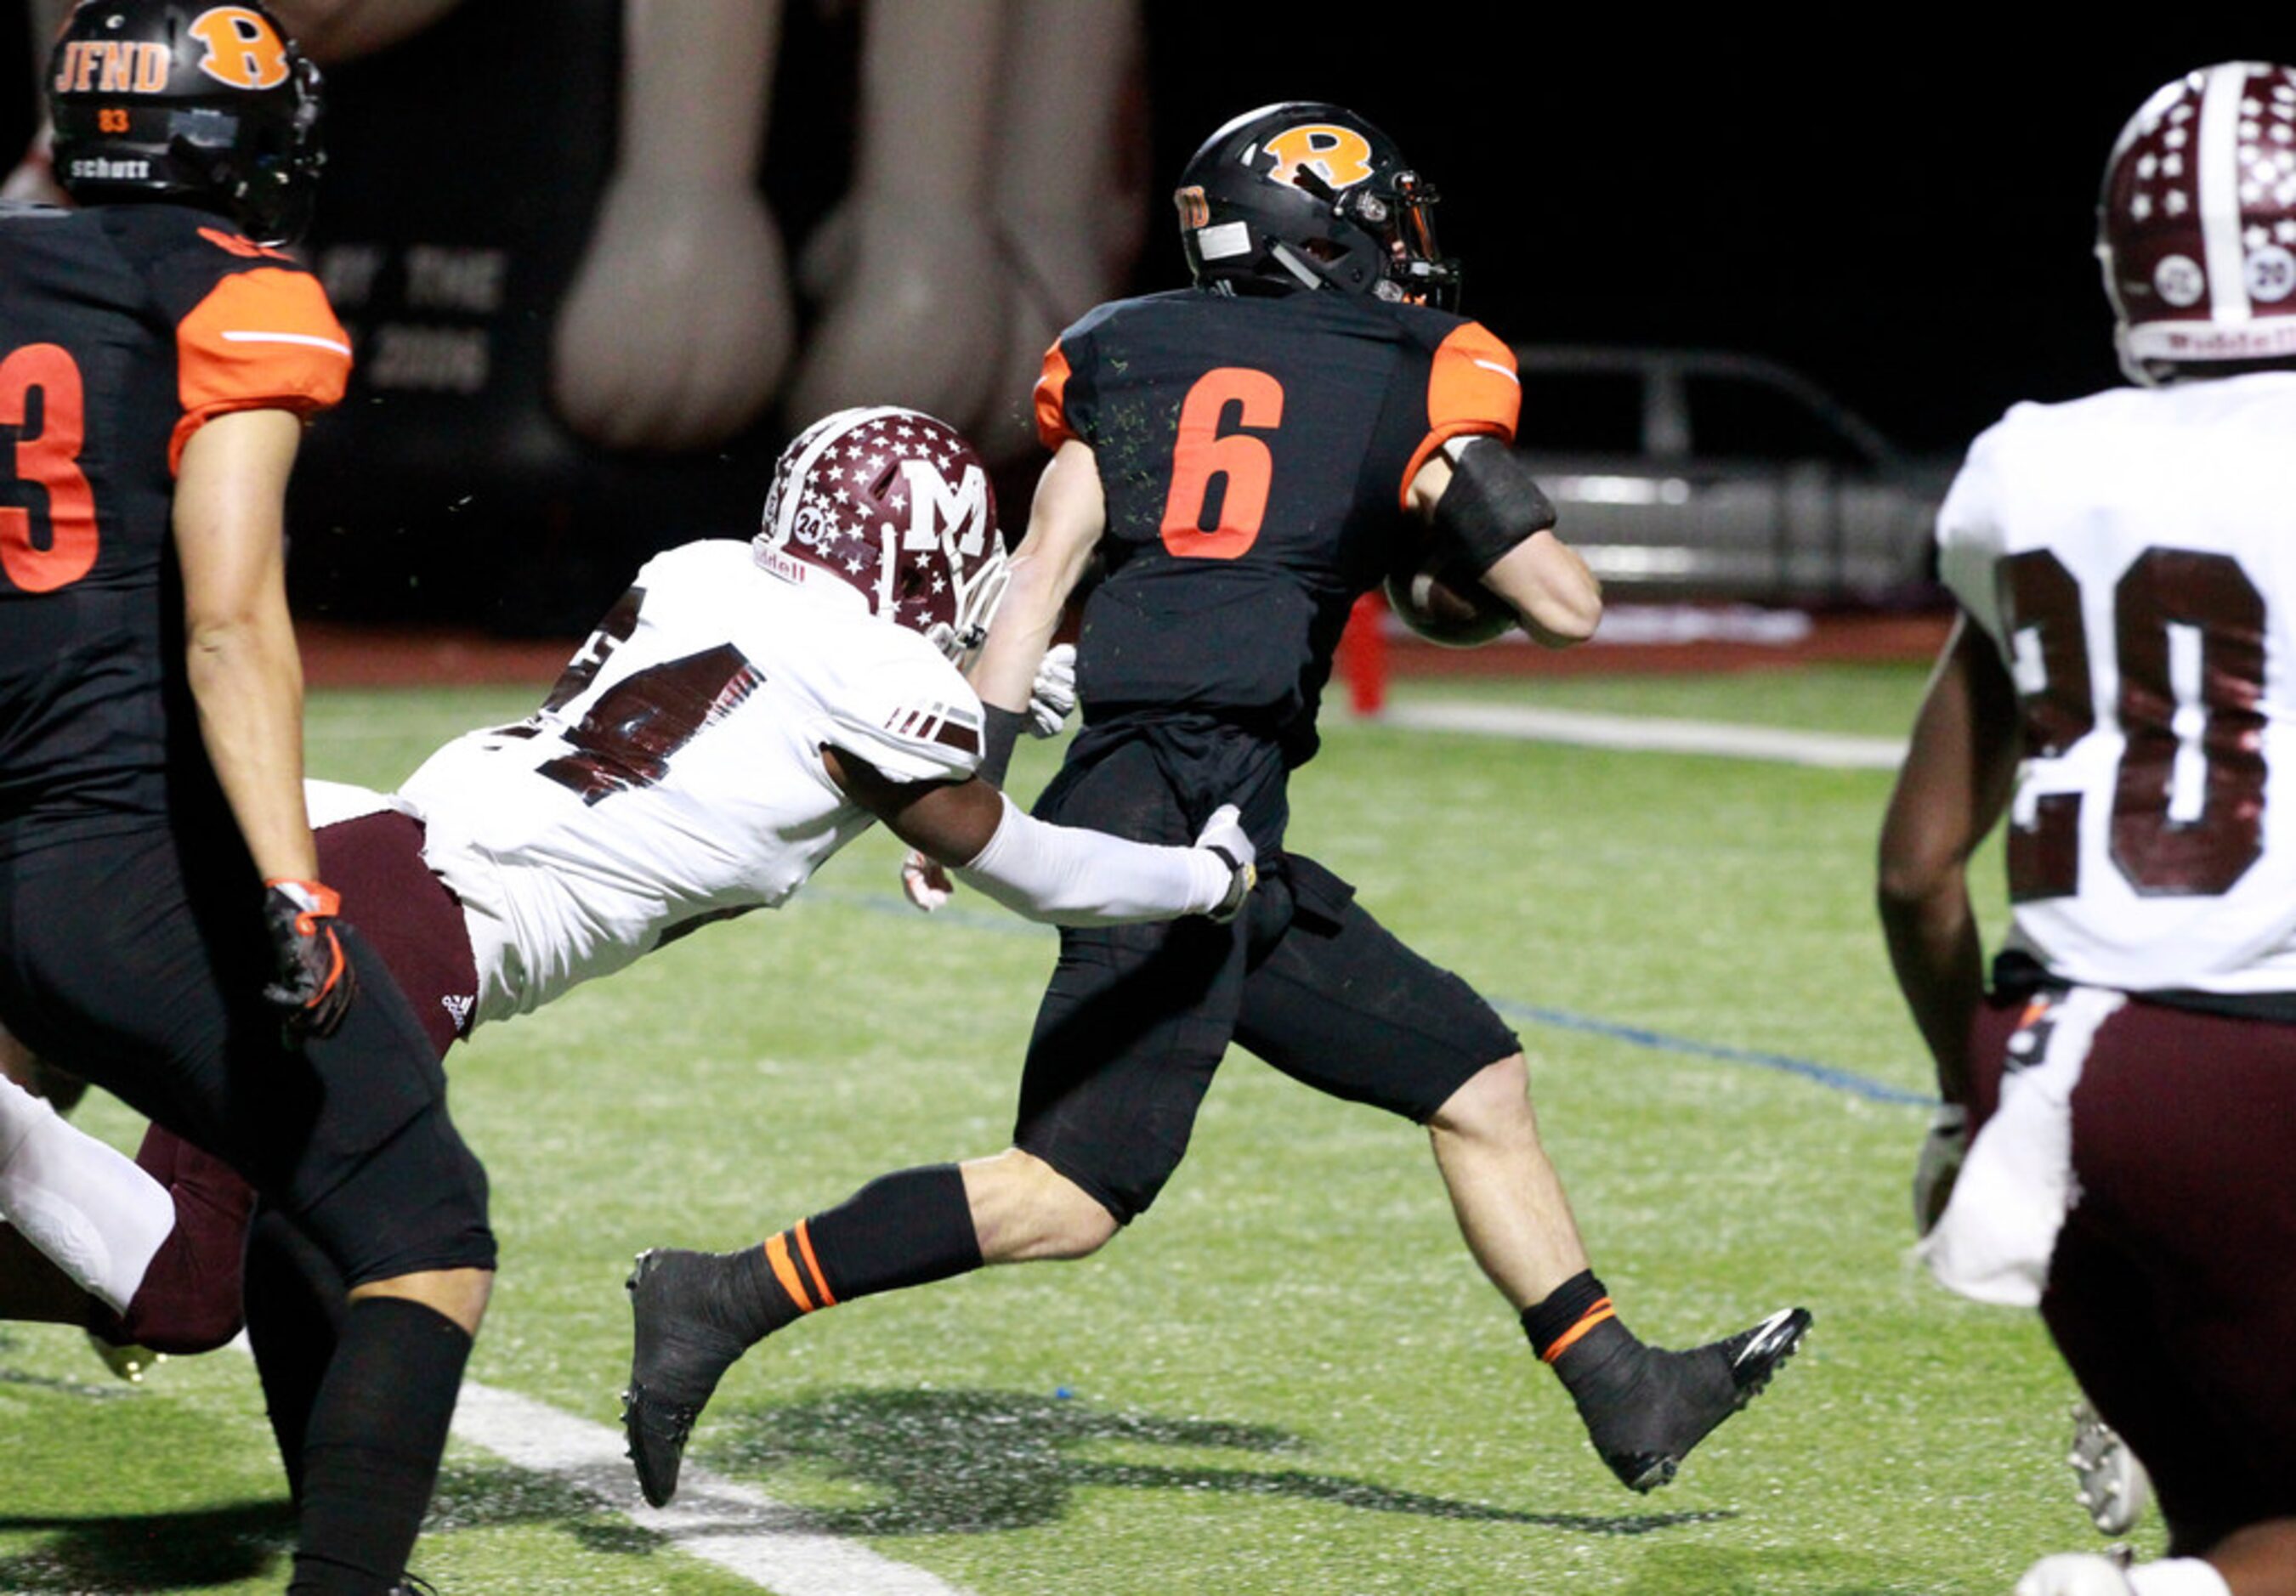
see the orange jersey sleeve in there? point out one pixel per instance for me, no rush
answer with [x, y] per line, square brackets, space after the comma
[1471, 388]
[264, 339]
[1052, 428]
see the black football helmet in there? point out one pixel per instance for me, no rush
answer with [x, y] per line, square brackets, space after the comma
[1305, 194]
[205, 105]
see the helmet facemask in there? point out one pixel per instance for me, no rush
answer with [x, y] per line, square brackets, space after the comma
[980, 590]
[1418, 267]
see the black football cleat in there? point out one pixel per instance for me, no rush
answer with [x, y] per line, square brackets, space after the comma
[1645, 1407]
[677, 1358]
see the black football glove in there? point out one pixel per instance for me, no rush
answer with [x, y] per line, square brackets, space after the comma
[315, 984]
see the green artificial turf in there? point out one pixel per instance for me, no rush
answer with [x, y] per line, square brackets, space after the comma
[1877, 700]
[1287, 1378]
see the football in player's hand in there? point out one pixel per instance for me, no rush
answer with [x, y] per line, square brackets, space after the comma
[1440, 598]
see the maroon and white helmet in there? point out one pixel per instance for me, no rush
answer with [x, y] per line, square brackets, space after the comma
[2196, 227]
[898, 506]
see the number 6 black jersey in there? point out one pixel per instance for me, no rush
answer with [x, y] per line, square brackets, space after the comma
[2133, 556]
[1255, 452]
[123, 328]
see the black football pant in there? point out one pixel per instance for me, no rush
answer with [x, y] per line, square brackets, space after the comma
[151, 986]
[1137, 1019]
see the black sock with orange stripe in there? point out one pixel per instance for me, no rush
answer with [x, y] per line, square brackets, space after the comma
[1565, 1316]
[1603, 1364]
[903, 1229]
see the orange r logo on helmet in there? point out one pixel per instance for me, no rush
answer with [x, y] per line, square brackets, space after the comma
[244, 49]
[1340, 155]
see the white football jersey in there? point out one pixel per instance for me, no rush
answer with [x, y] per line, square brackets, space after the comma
[2133, 556]
[674, 772]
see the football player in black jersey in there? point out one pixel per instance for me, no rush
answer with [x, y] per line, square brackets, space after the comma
[160, 922]
[1243, 456]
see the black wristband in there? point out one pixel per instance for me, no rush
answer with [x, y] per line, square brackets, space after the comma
[1000, 729]
[1492, 504]
[1242, 879]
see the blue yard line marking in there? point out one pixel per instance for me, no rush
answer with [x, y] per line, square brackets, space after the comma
[1824, 1075]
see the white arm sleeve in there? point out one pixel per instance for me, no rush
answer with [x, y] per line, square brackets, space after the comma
[1072, 877]
[94, 1211]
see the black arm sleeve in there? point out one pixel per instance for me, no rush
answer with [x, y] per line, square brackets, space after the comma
[1491, 504]
[1000, 729]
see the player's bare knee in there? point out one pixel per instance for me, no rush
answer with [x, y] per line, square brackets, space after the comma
[1064, 1220]
[1025, 1211]
[1083, 1226]
[457, 1294]
[1494, 1101]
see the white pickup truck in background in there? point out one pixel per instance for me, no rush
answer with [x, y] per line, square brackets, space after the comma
[1687, 473]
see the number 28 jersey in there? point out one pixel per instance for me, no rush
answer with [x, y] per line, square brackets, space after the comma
[1255, 452]
[674, 775]
[2133, 556]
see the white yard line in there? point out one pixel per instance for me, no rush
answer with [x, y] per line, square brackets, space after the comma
[736, 1528]
[1640, 733]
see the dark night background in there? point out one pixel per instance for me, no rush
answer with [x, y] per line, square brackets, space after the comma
[1908, 222]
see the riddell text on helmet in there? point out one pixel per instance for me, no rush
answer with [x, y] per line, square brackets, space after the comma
[2270, 339]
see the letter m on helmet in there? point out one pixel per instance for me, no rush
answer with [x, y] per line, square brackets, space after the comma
[934, 502]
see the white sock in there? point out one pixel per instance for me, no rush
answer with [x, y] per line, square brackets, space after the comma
[96, 1215]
